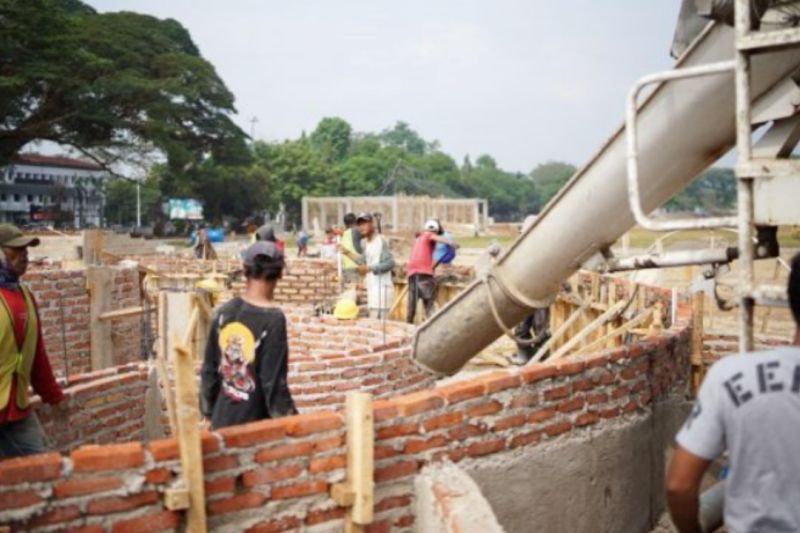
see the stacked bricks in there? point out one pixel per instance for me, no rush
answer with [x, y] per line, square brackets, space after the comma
[275, 475]
[63, 301]
[718, 345]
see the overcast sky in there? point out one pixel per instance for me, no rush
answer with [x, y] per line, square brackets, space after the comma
[523, 80]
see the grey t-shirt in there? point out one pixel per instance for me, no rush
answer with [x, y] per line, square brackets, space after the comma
[750, 405]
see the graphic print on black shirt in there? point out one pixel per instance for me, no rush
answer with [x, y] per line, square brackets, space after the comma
[238, 349]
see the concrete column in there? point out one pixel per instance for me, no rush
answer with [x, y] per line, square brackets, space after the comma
[476, 217]
[340, 210]
[486, 213]
[323, 215]
[305, 221]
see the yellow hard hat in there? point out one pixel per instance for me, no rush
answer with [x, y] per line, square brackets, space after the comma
[209, 284]
[345, 309]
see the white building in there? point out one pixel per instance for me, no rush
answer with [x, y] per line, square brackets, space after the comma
[54, 190]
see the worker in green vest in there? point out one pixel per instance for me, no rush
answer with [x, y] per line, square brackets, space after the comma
[23, 359]
[351, 242]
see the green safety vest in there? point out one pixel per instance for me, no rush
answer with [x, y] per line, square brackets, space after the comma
[347, 242]
[17, 362]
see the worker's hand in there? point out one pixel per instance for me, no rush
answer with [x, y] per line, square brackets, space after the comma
[61, 409]
[363, 269]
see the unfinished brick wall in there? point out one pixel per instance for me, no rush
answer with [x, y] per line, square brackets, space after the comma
[718, 345]
[275, 475]
[64, 310]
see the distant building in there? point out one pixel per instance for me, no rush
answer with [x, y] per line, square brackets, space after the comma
[54, 190]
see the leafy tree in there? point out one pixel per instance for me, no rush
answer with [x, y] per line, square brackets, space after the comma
[332, 138]
[713, 190]
[112, 85]
[120, 205]
[402, 136]
[549, 177]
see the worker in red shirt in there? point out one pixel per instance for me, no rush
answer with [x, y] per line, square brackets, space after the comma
[420, 267]
[23, 359]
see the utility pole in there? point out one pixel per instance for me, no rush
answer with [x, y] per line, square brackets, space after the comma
[138, 204]
[253, 129]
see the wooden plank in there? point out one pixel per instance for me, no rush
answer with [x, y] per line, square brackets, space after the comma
[190, 334]
[122, 313]
[99, 280]
[698, 301]
[588, 330]
[176, 499]
[360, 455]
[191, 450]
[161, 362]
[616, 332]
[613, 341]
[559, 333]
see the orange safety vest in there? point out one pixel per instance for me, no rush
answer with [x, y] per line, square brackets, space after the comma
[16, 362]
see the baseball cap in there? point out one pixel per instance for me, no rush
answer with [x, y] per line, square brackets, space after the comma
[432, 225]
[363, 217]
[12, 237]
[266, 248]
[266, 233]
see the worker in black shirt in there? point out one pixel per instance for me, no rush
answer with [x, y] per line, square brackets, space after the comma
[246, 361]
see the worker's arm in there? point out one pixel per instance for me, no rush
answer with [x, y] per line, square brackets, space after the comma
[274, 368]
[685, 474]
[210, 379]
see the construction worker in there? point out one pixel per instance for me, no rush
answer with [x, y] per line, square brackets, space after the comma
[351, 242]
[23, 359]
[246, 361]
[749, 406]
[375, 265]
[267, 233]
[420, 268]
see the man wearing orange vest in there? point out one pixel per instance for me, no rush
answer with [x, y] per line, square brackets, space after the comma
[23, 359]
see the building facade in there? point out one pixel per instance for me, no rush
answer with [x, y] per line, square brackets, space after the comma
[54, 190]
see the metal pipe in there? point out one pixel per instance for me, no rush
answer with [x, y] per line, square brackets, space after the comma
[633, 151]
[673, 259]
[683, 128]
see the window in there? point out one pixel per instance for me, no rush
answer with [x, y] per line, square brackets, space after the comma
[3, 197]
[30, 197]
[16, 197]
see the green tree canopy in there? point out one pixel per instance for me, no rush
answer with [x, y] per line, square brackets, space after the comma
[549, 177]
[112, 85]
[332, 138]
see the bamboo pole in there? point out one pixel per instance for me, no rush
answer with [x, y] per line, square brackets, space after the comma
[121, 313]
[588, 330]
[616, 332]
[161, 362]
[698, 299]
[558, 333]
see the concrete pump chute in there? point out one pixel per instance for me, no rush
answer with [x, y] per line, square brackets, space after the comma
[684, 127]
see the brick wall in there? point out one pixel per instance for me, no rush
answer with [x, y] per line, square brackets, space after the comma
[718, 345]
[275, 475]
[63, 301]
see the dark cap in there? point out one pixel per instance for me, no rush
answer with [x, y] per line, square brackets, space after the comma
[364, 217]
[266, 233]
[12, 237]
[265, 248]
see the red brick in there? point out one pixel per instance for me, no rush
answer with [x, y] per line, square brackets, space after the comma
[80, 487]
[397, 470]
[526, 399]
[397, 430]
[418, 402]
[443, 421]
[158, 476]
[151, 522]
[486, 408]
[277, 525]
[541, 415]
[298, 490]
[587, 419]
[219, 485]
[571, 405]
[220, 462]
[526, 439]
[404, 521]
[55, 515]
[501, 380]
[558, 428]
[630, 407]
[164, 449]
[570, 368]
[328, 443]
[121, 503]
[247, 500]
[476, 449]
[598, 361]
[583, 385]
[465, 432]
[84, 529]
[609, 413]
[319, 516]
[556, 393]
[30, 469]
[325, 464]
[108, 457]
[459, 392]
[285, 451]
[384, 452]
[383, 410]
[254, 433]
[510, 422]
[419, 445]
[261, 476]
[537, 372]
[596, 399]
[392, 502]
[314, 423]
[378, 527]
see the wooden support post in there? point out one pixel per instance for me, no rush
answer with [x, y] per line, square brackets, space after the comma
[698, 300]
[161, 363]
[558, 333]
[357, 492]
[588, 330]
[99, 280]
[613, 341]
[191, 449]
[121, 313]
[616, 332]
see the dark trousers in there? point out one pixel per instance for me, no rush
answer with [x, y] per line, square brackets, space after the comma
[538, 324]
[420, 286]
[22, 437]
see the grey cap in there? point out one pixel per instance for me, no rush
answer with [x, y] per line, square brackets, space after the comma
[266, 248]
[266, 233]
[363, 217]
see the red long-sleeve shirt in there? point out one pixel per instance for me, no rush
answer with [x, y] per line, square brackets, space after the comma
[42, 379]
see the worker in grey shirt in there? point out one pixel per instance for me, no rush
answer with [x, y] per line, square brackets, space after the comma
[749, 405]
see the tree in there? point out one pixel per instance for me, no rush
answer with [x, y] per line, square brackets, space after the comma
[111, 85]
[549, 177]
[120, 205]
[402, 136]
[713, 190]
[331, 138]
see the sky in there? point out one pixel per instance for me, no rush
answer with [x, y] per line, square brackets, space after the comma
[525, 81]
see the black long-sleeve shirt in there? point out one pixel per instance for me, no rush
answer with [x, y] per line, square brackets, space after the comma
[245, 366]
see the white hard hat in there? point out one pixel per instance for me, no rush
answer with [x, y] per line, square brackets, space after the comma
[432, 225]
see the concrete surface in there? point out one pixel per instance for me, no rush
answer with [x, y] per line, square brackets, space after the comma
[449, 501]
[608, 480]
